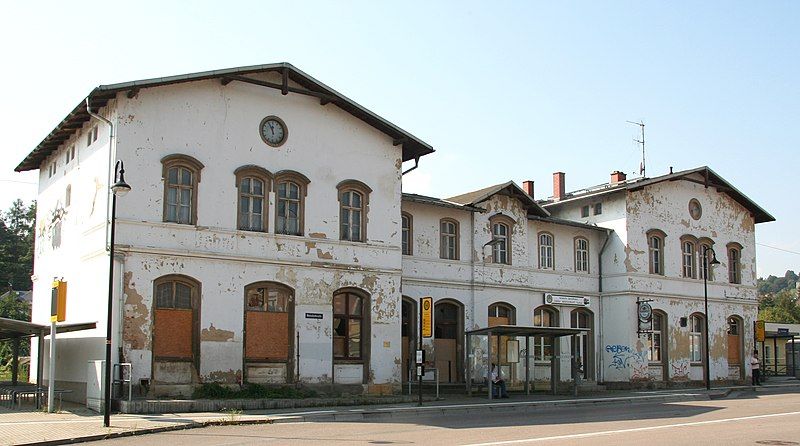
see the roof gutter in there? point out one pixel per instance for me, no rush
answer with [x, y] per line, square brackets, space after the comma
[109, 170]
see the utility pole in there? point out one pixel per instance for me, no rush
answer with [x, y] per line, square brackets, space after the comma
[642, 167]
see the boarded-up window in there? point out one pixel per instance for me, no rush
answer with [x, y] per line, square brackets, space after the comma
[267, 322]
[174, 318]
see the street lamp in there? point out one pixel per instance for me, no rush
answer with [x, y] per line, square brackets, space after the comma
[119, 188]
[706, 269]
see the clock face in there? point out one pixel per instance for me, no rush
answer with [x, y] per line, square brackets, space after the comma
[273, 131]
[695, 210]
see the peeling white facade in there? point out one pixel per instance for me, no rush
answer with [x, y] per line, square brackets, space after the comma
[214, 124]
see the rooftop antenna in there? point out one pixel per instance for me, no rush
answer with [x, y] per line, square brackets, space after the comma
[642, 169]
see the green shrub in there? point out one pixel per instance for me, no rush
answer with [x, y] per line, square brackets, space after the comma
[215, 391]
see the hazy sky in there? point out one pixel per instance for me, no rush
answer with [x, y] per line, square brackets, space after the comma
[502, 90]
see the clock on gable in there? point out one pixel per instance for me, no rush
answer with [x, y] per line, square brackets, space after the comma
[273, 131]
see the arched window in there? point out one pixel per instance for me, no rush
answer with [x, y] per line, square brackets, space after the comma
[689, 256]
[501, 238]
[705, 244]
[253, 184]
[734, 262]
[353, 202]
[696, 329]
[175, 317]
[349, 312]
[654, 338]
[655, 243]
[544, 316]
[501, 314]
[448, 239]
[581, 255]
[546, 250]
[290, 195]
[408, 232]
[268, 322]
[181, 175]
[584, 348]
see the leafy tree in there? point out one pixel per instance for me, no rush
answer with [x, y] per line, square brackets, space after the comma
[780, 307]
[11, 307]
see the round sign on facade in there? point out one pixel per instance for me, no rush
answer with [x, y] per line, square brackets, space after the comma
[645, 312]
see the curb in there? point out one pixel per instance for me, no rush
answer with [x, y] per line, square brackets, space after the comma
[390, 412]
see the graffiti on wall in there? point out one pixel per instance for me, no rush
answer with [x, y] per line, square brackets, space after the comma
[625, 357]
[680, 369]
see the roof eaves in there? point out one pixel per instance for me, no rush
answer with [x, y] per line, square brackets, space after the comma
[561, 221]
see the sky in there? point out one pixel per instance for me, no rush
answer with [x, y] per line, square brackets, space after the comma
[502, 90]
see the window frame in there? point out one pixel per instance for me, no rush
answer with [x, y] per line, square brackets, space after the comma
[543, 248]
[585, 211]
[653, 344]
[456, 236]
[689, 257]
[502, 221]
[734, 251]
[701, 270]
[364, 319]
[263, 175]
[406, 233]
[302, 182]
[540, 343]
[696, 338]
[364, 190]
[598, 208]
[659, 252]
[195, 167]
[577, 240]
[196, 293]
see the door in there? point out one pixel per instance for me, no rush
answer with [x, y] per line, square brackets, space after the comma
[408, 329]
[267, 336]
[447, 346]
[734, 348]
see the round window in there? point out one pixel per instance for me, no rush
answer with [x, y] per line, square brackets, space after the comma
[695, 210]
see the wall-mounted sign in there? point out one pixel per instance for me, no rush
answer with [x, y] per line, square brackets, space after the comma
[645, 312]
[426, 311]
[313, 315]
[783, 331]
[573, 301]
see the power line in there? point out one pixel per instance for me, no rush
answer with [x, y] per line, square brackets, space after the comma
[779, 249]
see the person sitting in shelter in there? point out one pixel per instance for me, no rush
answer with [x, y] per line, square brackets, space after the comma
[498, 383]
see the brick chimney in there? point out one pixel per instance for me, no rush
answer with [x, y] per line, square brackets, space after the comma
[559, 185]
[527, 186]
[617, 176]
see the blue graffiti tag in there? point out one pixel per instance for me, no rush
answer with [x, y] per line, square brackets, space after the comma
[623, 356]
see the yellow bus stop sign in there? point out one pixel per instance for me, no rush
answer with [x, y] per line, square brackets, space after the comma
[760, 331]
[426, 306]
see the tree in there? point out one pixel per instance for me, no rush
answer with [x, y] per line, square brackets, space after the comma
[16, 246]
[780, 307]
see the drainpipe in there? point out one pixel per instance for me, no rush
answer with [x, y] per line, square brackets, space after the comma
[601, 375]
[110, 169]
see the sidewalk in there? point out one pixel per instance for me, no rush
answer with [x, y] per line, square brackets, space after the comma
[76, 424]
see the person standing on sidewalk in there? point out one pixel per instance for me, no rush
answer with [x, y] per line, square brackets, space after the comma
[755, 364]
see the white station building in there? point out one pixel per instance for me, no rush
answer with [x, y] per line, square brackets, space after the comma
[266, 239]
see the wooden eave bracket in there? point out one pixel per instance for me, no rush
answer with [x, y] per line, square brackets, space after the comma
[132, 93]
[399, 141]
[324, 97]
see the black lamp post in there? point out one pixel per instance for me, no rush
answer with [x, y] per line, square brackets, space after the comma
[706, 269]
[120, 187]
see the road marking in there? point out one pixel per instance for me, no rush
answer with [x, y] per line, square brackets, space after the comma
[636, 429]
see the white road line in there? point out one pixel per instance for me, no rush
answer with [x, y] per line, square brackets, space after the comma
[637, 429]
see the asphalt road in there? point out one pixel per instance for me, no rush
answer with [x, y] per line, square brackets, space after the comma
[765, 418]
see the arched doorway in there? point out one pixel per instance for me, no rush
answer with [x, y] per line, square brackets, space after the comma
[176, 322]
[268, 333]
[502, 313]
[584, 348]
[408, 329]
[545, 347]
[735, 348]
[448, 336]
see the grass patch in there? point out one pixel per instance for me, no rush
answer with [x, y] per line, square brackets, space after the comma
[214, 391]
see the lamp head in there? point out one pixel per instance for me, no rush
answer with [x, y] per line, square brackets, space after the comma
[120, 188]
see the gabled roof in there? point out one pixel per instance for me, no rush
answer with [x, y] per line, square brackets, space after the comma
[415, 198]
[508, 189]
[413, 147]
[709, 179]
